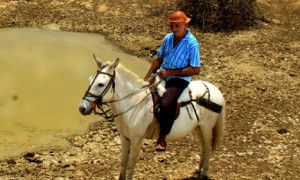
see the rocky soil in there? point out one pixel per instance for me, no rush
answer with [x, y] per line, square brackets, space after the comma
[257, 69]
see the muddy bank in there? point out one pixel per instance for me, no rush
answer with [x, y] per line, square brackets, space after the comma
[133, 26]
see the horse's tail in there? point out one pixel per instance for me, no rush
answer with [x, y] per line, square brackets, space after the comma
[218, 130]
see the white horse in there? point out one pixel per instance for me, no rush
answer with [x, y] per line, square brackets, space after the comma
[133, 113]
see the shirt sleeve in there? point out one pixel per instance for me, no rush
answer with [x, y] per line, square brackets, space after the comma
[195, 55]
[160, 52]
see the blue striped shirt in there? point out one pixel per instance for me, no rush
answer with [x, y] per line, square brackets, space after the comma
[185, 54]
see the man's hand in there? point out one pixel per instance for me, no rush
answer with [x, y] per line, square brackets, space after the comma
[164, 73]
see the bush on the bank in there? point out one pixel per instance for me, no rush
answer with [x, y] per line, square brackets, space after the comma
[220, 14]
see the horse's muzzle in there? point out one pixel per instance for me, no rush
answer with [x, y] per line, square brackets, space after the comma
[82, 110]
[85, 108]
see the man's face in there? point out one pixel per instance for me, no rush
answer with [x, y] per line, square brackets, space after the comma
[178, 28]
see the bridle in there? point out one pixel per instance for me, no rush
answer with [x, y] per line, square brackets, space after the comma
[98, 98]
[98, 103]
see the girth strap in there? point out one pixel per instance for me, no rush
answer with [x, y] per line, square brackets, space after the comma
[209, 104]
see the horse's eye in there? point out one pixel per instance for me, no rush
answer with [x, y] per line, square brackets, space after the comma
[100, 85]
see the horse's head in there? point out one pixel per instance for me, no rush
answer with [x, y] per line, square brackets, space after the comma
[101, 87]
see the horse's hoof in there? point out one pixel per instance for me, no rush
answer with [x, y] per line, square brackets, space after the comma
[203, 177]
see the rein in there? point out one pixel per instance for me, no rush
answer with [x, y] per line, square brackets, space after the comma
[98, 98]
[105, 113]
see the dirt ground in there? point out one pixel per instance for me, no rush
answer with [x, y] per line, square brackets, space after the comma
[257, 69]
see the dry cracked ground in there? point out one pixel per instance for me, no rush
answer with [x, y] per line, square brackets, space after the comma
[257, 69]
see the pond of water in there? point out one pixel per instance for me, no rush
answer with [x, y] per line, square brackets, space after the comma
[43, 75]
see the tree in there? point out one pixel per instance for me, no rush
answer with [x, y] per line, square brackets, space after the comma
[220, 15]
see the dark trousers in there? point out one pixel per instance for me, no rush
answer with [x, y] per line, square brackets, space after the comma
[168, 104]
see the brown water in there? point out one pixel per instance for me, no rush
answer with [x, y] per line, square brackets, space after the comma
[43, 75]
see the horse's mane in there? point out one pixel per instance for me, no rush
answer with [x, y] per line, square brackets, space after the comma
[127, 75]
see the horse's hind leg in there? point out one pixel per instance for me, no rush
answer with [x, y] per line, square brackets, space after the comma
[205, 137]
[125, 156]
[200, 137]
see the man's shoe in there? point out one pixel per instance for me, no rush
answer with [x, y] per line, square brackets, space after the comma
[159, 147]
[161, 144]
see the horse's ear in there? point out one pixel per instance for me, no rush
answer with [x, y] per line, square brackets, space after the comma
[116, 63]
[98, 61]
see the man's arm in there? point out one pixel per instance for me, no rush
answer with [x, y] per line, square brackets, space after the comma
[154, 67]
[188, 71]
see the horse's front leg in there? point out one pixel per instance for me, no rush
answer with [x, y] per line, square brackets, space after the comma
[125, 150]
[136, 145]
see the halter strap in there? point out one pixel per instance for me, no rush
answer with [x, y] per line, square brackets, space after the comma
[99, 97]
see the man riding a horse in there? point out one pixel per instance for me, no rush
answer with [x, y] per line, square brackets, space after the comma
[202, 110]
[177, 60]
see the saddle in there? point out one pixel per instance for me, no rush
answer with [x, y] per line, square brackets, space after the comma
[156, 105]
[204, 102]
